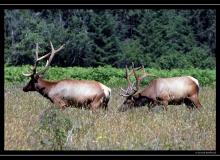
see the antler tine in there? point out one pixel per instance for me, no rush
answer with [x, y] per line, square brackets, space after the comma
[130, 89]
[51, 46]
[36, 59]
[33, 68]
[127, 77]
[146, 74]
[123, 90]
[55, 51]
[36, 53]
[27, 74]
[46, 55]
[131, 73]
[128, 80]
[136, 77]
[51, 55]
[133, 86]
[142, 68]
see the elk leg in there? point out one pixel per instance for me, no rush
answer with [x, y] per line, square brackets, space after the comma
[105, 103]
[152, 103]
[59, 102]
[165, 104]
[97, 101]
[195, 101]
[189, 104]
[105, 106]
[164, 98]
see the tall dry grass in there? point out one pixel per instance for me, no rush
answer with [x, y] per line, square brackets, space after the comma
[33, 123]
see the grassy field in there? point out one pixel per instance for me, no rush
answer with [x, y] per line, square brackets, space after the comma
[33, 123]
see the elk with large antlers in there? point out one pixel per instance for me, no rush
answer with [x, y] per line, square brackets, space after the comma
[63, 93]
[174, 90]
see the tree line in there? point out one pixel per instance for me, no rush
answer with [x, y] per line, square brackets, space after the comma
[155, 38]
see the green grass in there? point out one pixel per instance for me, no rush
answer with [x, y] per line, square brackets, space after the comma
[34, 123]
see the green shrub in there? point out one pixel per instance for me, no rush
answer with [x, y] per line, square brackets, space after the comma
[55, 128]
[108, 75]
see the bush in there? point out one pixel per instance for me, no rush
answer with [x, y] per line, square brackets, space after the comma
[173, 59]
[55, 128]
[108, 75]
[198, 57]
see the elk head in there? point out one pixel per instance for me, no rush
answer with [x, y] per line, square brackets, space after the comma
[132, 93]
[34, 75]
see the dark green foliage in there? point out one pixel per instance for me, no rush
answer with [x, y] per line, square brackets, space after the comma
[108, 75]
[163, 39]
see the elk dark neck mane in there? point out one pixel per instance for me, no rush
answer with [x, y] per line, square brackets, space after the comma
[44, 86]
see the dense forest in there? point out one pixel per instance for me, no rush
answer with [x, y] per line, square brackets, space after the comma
[155, 38]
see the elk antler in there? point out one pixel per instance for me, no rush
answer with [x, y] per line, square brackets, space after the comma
[130, 89]
[52, 53]
[140, 78]
[51, 56]
[145, 74]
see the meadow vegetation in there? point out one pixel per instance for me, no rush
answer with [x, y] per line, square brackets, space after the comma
[99, 43]
[107, 75]
[34, 123]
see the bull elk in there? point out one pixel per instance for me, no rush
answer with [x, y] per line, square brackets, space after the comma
[63, 93]
[165, 91]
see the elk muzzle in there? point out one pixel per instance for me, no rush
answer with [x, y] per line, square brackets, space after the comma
[26, 88]
[30, 86]
[128, 103]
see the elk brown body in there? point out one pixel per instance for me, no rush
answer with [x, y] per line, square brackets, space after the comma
[165, 91]
[80, 93]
